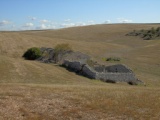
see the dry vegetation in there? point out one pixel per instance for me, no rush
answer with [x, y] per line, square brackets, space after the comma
[35, 91]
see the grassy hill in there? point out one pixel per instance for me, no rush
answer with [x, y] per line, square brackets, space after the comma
[33, 90]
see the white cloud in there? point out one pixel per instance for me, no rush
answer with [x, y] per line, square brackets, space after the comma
[44, 21]
[13, 26]
[32, 18]
[107, 22]
[51, 26]
[4, 22]
[127, 21]
[43, 26]
[80, 24]
[123, 20]
[65, 25]
[91, 22]
[28, 25]
[67, 20]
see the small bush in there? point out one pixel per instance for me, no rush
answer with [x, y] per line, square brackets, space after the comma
[32, 53]
[153, 31]
[158, 29]
[60, 49]
[63, 47]
[113, 59]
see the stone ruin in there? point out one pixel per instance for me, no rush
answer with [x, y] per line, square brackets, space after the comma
[78, 63]
[113, 74]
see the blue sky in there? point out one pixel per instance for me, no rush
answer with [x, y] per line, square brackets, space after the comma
[53, 14]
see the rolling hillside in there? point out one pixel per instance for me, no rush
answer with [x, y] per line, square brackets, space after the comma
[45, 86]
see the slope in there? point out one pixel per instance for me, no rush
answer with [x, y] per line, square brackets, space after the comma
[34, 90]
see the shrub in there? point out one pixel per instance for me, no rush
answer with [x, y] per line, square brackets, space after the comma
[113, 59]
[60, 49]
[32, 53]
[158, 29]
[153, 31]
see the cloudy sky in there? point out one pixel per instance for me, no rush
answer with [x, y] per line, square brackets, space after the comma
[55, 14]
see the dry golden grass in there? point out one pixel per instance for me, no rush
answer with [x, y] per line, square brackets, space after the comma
[33, 90]
[91, 102]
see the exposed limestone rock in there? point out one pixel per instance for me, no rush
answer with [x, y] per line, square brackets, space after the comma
[77, 62]
[74, 66]
[89, 72]
[48, 55]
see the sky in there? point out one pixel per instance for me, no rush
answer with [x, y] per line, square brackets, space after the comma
[56, 14]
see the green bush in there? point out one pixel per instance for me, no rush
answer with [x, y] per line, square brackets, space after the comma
[32, 53]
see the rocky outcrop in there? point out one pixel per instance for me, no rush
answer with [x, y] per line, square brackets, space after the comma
[74, 66]
[78, 62]
[47, 55]
[149, 34]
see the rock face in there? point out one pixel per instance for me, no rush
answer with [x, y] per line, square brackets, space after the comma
[48, 55]
[78, 62]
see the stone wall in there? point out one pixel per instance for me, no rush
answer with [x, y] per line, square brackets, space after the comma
[119, 68]
[114, 77]
[117, 77]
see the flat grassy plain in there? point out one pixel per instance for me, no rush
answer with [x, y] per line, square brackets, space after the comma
[35, 91]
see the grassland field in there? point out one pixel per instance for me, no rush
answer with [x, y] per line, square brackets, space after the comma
[31, 90]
